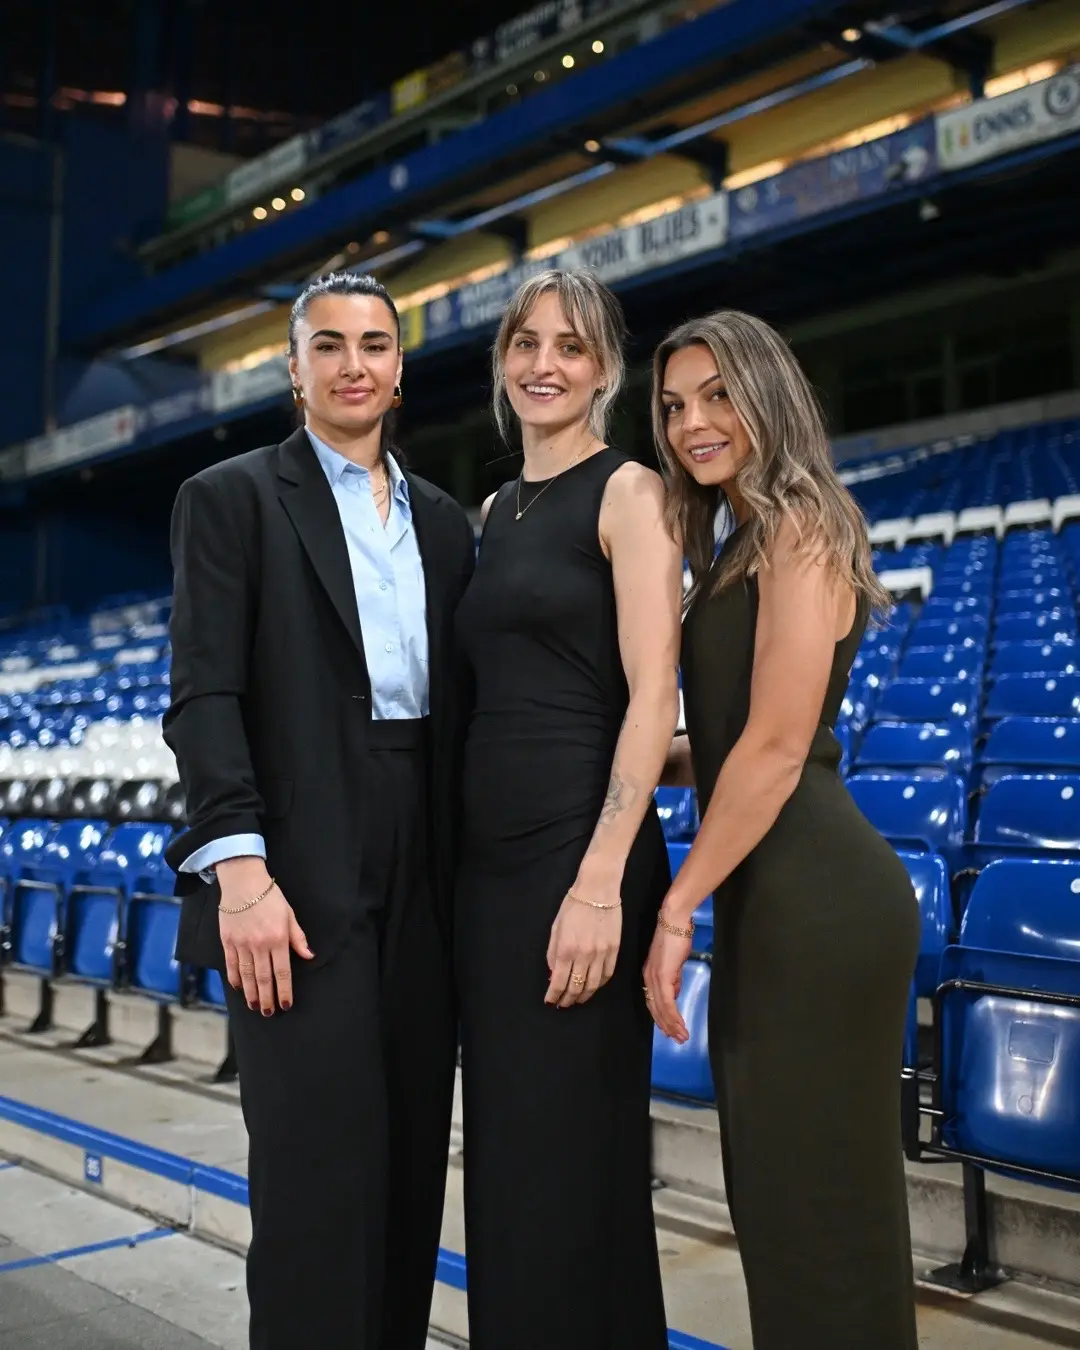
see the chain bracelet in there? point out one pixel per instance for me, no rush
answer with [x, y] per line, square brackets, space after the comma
[249, 904]
[593, 904]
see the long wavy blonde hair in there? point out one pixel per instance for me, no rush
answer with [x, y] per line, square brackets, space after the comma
[789, 474]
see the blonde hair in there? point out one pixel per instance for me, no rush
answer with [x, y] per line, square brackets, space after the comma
[595, 316]
[789, 474]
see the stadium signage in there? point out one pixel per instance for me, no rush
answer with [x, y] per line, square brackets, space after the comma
[854, 174]
[611, 257]
[993, 126]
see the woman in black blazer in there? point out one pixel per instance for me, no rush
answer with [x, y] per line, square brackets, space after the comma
[316, 721]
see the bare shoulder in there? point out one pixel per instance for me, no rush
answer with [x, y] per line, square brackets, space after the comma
[487, 507]
[635, 490]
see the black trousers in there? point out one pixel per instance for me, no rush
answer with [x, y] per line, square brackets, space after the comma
[347, 1100]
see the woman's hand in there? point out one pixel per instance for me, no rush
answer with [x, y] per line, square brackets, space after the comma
[257, 941]
[584, 946]
[663, 981]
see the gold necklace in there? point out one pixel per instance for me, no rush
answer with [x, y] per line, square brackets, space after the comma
[522, 509]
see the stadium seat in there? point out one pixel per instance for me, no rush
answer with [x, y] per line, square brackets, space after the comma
[683, 1070]
[927, 701]
[1036, 658]
[1010, 1064]
[1049, 626]
[929, 632]
[1032, 743]
[150, 940]
[942, 663]
[1034, 696]
[31, 911]
[930, 880]
[677, 809]
[927, 809]
[1030, 812]
[917, 745]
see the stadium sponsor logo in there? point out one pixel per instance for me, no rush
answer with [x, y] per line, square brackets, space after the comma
[994, 126]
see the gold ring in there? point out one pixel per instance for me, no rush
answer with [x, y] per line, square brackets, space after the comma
[577, 980]
[648, 996]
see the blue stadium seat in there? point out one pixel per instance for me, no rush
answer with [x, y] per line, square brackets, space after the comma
[1036, 658]
[927, 809]
[212, 988]
[1030, 812]
[930, 880]
[969, 582]
[1032, 601]
[1033, 742]
[683, 1070]
[1010, 1066]
[917, 745]
[942, 663]
[150, 937]
[872, 668]
[927, 701]
[956, 607]
[1034, 696]
[31, 911]
[1049, 626]
[931, 632]
[677, 809]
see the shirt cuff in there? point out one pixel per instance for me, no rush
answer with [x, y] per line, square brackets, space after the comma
[204, 859]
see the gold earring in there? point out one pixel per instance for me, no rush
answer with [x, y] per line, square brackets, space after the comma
[395, 402]
[297, 395]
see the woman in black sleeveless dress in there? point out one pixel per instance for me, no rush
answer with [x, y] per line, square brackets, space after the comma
[571, 626]
[816, 925]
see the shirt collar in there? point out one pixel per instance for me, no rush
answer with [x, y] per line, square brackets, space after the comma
[335, 466]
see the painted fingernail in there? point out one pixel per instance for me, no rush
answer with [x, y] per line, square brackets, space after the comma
[285, 1007]
[253, 1006]
[268, 1012]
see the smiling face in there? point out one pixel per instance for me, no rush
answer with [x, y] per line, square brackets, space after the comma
[347, 361]
[551, 374]
[705, 433]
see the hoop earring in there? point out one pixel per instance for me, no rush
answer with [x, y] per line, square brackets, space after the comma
[297, 396]
[395, 402]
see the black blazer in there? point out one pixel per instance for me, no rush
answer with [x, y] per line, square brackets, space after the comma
[271, 700]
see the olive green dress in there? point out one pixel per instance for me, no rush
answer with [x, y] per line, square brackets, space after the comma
[816, 937]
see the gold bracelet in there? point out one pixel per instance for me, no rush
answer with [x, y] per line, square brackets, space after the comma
[661, 922]
[249, 904]
[593, 904]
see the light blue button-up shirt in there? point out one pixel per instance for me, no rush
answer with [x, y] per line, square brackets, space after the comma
[388, 577]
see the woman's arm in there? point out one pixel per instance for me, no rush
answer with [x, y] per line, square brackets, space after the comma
[803, 610]
[647, 572]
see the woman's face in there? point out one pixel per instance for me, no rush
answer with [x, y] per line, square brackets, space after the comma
[551, 376]
[347, 361]
[703, 429]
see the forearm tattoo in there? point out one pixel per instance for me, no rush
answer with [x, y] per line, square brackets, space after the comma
[620, 796]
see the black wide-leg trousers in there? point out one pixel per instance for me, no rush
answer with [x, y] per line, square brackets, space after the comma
[347, 1099]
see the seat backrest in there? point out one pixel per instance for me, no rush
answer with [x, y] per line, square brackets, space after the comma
[913, 745]
[942, 663]
[928, 808]
[133, 850]
[927, 701]
[1035, 627]
[1035, 658]
[677, 809]
[1027, 906]
[1034, 742]
[930, 880]
[1034, 696]
[92, 797]
[138, 799]
[1031, 811]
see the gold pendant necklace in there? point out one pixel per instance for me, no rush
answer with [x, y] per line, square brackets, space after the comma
[522, 509]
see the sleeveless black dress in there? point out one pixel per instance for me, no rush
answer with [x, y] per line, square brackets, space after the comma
[816, 937]
[560, 1237]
